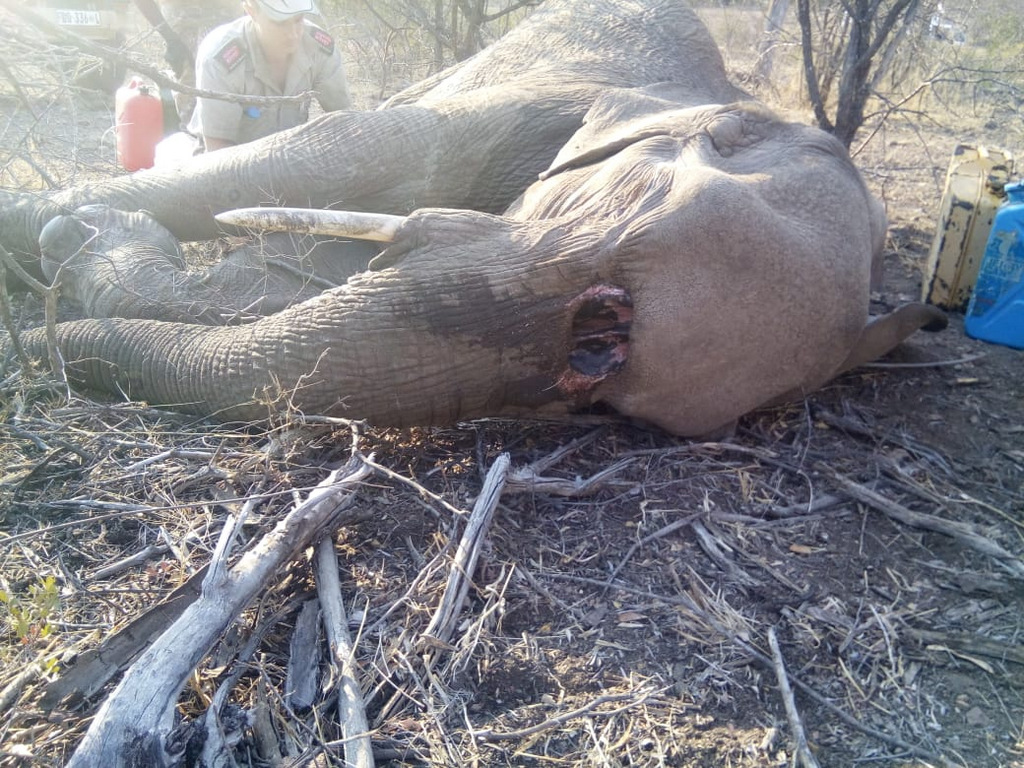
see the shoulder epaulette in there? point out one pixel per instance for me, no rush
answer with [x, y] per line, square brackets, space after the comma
[323, 40]
[230, 55]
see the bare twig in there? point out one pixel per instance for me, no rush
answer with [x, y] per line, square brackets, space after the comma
[970, 644]
[572, 714]
[545, 463]
[442, 625]
[526, 480]
[711, 548]
[9, 76]
[962, 532]
[13, 689]
[928, 364]
[49, 295]
[803, 755]
[660, 533]
[351, 710]
[5, 313]
[382, 470]
[153, 550]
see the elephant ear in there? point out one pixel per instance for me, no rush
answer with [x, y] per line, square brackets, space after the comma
[611, 124]
[625, 116]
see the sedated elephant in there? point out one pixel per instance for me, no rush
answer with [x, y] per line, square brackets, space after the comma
[595, 215]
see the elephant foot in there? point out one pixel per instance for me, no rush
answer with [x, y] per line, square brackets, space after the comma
[100, 231]
[601, 320]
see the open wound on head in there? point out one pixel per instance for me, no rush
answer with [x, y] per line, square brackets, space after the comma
[601, 319]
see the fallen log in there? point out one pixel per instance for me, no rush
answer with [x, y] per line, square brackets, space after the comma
[132, 726]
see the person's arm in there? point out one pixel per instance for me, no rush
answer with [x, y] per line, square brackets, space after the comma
[216, 122]
[329, 80]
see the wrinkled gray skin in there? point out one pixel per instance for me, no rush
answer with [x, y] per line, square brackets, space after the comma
[113, 263]
[687, 257]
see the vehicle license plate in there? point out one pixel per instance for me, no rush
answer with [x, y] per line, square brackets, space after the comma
[74, 18]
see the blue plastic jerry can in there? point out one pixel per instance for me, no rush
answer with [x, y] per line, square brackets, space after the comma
[996, 309]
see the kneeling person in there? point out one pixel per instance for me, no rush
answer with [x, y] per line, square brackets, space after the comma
[271, 51]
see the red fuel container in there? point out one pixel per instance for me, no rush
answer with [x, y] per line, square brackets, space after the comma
[138, 124]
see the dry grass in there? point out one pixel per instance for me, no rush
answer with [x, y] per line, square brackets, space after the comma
[629, 626]
[626, 628]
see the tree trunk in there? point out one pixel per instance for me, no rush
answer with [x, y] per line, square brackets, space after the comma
[770, 39]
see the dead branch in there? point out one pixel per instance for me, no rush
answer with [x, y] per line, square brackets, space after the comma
[970, 644]
[382, 470]
[351, 710]
[303, 658]
[133, 723]
[153, 550]
[927, 364]
[13, 689]
[9, 76]
[442, 625]
[966, 534]
[8, 261]
[803, 755]
[224, 732]
[8, 321]
[546, 462]
[94, 668]
[713, 549]
[587, 709]
[526, 480]
[49, 294]
[819, 504]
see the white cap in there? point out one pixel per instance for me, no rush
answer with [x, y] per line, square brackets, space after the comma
[282, 10]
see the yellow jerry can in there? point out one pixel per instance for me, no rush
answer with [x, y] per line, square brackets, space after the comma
[974, 190]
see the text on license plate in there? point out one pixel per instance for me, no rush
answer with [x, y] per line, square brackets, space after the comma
[78, 18]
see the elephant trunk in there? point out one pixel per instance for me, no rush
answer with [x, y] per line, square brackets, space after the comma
[505, 335]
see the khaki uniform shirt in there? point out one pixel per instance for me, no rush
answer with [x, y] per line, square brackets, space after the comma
[230, 60]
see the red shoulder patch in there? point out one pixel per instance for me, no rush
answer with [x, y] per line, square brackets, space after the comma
[324, 40]
[231, 55]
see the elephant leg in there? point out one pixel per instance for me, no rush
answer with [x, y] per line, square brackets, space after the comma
[114, 263]
[22, 216]
[278, 270]
[97, 229]
[125, 264]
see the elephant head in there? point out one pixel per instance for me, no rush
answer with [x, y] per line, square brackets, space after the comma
[686, 256]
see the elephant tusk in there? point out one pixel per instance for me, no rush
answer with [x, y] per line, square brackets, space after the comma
[379, 227]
